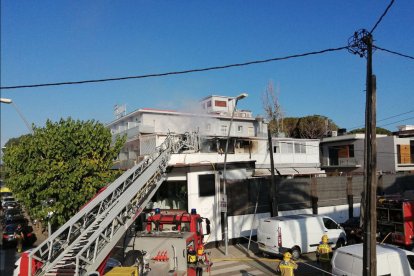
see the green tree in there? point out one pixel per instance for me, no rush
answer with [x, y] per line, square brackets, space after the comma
[68, 161]
[379, 130]
[310, 127]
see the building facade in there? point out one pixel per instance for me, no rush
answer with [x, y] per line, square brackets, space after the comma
[195, 178]
[345, 154]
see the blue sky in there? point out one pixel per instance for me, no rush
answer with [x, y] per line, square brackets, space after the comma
[57, 41]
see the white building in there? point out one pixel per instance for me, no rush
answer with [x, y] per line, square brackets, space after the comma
[194, 179]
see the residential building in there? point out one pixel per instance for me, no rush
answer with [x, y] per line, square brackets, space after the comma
[345, 154]
[195, 178]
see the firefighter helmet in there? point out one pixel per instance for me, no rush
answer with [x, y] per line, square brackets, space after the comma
[325, 239]
[287, 256]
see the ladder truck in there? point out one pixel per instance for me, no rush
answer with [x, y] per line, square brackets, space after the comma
[84, 243]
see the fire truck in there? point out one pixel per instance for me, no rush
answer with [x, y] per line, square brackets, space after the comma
[171, 242]
[395, 221]
[83, 244]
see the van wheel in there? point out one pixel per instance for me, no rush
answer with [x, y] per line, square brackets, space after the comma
[296, 252]
[339, 243]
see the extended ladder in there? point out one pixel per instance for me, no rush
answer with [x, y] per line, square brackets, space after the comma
[83, 243]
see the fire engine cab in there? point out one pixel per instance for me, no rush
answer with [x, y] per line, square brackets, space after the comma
[172, 242]
[395, 221]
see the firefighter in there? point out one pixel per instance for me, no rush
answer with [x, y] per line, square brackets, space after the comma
[286, 266]
[323, 253]
[191, 255]
[18, 233]
[200, 254]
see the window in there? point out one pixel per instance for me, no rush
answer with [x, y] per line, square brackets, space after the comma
[209, 104]
[287, 147]
[220, 103]
[239, 128]
[410, 259]
[250, 131]
[351, 151]
[300, 148]
[276, 148]
[330, 224]
[223, 129]
[206, 185]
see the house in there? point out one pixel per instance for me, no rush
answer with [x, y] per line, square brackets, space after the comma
[195, 178]
[345, 154]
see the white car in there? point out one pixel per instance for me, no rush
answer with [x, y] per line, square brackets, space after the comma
[297, 233]
[391, 260]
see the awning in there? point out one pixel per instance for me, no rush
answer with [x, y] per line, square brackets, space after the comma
[288, 171]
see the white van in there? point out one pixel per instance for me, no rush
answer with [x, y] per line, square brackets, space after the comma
[298, 233]
[391, 260]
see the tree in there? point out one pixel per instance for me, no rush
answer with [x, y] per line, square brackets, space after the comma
[68, 161]
[310, 127]
[273, 109]
[379, 130]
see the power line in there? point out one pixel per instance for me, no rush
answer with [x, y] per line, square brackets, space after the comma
[382, 16]
[176, 72]
[393, 52]
[387, 118]
[398, 121]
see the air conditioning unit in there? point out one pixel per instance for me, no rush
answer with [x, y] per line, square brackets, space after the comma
[334, 133]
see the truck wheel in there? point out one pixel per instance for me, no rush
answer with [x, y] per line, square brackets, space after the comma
[135, 258]
[295, 253]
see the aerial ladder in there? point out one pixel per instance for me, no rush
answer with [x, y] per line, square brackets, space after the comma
[84, 242]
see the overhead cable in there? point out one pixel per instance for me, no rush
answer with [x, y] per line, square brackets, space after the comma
[393, 52]
[175, 72]
[382, 16]
[384, 119]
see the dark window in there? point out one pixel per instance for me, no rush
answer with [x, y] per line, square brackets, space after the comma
[330, 224]
[208, 103]
[410, 259]
[206, 185]
[351, 151]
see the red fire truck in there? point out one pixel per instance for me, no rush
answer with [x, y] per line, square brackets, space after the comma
[172, 243]
[395, 221]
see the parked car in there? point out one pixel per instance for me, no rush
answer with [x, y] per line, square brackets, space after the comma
[353, 230]
[10, 213]
[297, 233]
[11, 205]
[15, 220]
[391, 260]
[6, 199]
[9, 238]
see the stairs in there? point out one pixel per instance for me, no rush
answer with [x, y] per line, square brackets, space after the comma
[84, 242]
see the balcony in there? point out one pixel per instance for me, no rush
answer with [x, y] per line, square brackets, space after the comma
[133, 131]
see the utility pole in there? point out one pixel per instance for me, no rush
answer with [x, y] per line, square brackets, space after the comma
[361, 44]
[273, 191]
[370, 227]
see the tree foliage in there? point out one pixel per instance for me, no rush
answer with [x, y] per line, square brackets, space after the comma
[68, 161]
[379, 130]
[310, 127]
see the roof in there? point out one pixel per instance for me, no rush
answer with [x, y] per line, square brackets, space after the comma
[357, 250]
[293, 217]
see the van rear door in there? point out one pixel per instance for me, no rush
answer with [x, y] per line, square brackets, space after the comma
[267, 236]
